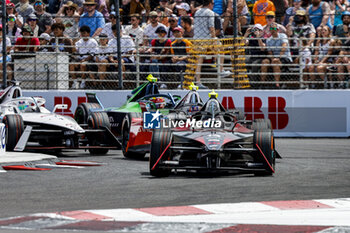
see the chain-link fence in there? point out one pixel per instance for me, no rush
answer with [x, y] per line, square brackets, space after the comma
[73, 49]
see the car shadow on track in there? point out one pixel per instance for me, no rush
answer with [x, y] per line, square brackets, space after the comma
[201, 175]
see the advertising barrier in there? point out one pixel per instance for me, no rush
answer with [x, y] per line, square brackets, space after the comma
[293, 113]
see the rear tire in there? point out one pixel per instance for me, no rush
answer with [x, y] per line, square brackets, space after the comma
[160, 140]
[14, 129]
[81, 114]
[125, 136]
[265, 140]
[98, 120]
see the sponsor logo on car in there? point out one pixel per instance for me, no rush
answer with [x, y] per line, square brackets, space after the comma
[154, 120]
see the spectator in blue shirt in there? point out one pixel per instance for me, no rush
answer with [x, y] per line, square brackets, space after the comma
[92, 18]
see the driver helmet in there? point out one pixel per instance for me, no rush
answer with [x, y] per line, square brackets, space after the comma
[159, 102]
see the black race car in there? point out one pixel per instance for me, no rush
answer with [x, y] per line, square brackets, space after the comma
[213, 139]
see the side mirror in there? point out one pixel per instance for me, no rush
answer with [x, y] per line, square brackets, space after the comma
[60, 107]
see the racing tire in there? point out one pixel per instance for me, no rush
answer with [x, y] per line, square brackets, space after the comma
[14, 129]
[126, 124]
[160, 141]
[261, 124]
[81, 114]
[98, 120]
[266, 142]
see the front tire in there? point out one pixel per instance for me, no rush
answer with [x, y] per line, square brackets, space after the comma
[126, 125]
[160, 141]
[265, 140]
[14, 129]
[98, 120]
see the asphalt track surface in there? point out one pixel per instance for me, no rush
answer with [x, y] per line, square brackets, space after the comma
[310, 169]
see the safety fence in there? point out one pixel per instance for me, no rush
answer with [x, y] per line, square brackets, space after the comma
[215, 63]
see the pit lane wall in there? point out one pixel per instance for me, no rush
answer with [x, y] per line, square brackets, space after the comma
[293, 113]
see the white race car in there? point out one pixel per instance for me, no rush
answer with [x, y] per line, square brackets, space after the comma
[29, 125]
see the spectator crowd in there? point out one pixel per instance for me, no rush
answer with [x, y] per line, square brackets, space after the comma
[312, 34]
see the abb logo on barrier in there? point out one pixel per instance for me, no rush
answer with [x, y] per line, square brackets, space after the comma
[252, 108]
[68, 101]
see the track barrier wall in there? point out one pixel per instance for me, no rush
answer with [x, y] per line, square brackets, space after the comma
[293, 113]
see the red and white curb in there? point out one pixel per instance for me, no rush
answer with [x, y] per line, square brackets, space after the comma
[46, 165]
[326, 215]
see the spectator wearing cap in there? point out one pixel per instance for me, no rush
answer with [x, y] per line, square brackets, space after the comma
[180, 50]
[32, 21]
[183, 10]
[291, 11]
[79, 3]
[44, 19]
[150, 29]
[107, 29]
[27, 43]
[25, 9]
[299, 27]
[261, 7]
[256, 49]
[70, 18]
[271, 18]
[163, 18]
[13, 31]
[127, 49]
[186, 24]
[10, 10]
[134, 30]
[102, 55]
[44, 40]
[338, 6]
[160, 50]
[278, 49]
[92, 18]
[173, 20]
[174, 4]
[8, 48]
[60, 42]
[341, 30]
[319, 14]
[86, 48]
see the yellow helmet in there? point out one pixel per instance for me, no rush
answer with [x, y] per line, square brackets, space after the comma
[213, 94]
[193, 87]
[151, 78]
